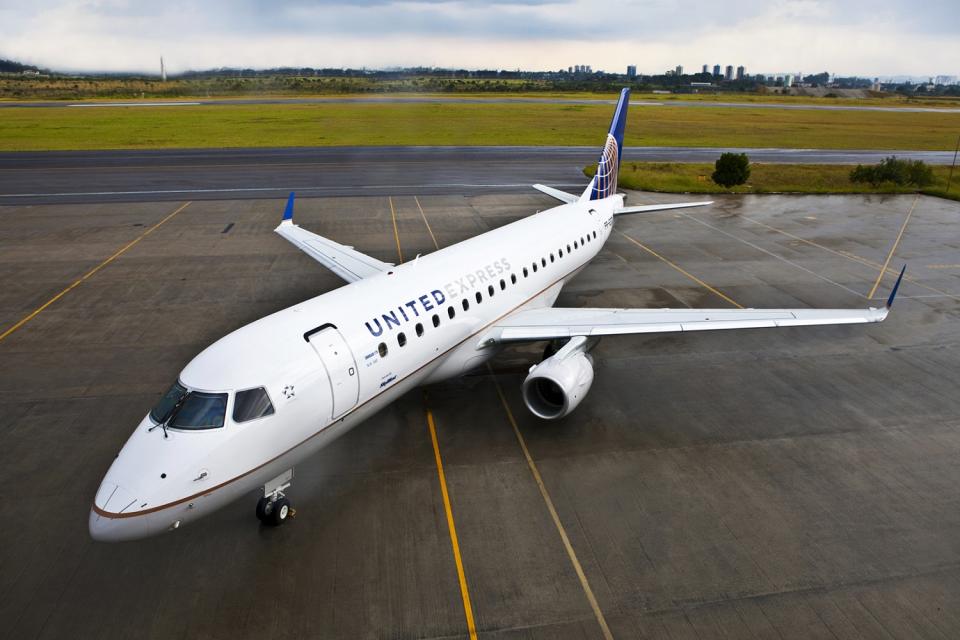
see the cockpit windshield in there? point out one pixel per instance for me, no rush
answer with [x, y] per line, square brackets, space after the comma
[200, 411]
[169, 400]
[182, 409]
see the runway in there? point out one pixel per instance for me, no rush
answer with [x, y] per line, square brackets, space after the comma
[216, 174]
[382, 99]
[791, 483]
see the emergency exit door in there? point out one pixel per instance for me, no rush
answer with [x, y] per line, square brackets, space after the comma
[341, 368]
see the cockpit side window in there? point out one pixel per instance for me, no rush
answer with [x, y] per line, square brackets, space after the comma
[200, 411]
[169, 400]
[251, 404]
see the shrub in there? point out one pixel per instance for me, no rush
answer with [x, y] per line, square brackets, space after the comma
[898, 172]
[731, 169]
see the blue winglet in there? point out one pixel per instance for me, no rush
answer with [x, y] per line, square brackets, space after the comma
[288, 212]
[893, 294]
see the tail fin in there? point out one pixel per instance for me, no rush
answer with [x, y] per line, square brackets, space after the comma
[605, 182]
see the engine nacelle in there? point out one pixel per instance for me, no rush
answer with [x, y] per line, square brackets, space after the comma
[557, 385]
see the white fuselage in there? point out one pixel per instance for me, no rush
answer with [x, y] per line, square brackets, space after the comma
[323, 365]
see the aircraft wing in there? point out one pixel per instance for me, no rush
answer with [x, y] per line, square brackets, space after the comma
[552, 323]
[346, 262]
[649, 208]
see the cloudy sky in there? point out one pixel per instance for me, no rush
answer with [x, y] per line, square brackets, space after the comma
[863, 37]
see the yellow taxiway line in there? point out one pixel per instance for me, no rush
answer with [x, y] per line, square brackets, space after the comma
[396, 233]
[896, 243]
[88, 274]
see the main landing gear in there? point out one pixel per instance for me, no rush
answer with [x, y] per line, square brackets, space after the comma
[273, 508]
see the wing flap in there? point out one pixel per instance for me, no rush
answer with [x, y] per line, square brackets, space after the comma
[552, 323]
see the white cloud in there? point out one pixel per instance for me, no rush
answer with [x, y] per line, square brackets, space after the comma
[847, 37]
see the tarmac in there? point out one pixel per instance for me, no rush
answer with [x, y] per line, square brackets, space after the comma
[217, 174]
[791, 483]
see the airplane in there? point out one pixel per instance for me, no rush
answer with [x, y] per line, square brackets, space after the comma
[250, 407]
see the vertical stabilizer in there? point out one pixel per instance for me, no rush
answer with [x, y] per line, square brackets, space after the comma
[605, 182]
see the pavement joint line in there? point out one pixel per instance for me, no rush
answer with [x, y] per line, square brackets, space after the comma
[451, 525]
[681, 270]
[896, 243]
[584, 583]
[89, 274]
[774, 255]
[854, 258]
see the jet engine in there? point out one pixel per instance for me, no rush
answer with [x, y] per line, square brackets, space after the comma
[557, 385]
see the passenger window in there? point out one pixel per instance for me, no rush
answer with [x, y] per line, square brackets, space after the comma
[503, 284]
[251, 404]
[525, 272]
[551, 257]
[594, 235]
[419, 329]
[575, 245]
[451, 312]
[401, 339]
[479, 298]
[436, 320]
[490, 290]
[513, 278]
[560, 252]
[382, 349]
[543, 262]
[466, 304]
[534, 267]
[568, 248]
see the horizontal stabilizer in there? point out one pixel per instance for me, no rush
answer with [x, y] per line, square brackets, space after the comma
[648, 208]
[562, 196]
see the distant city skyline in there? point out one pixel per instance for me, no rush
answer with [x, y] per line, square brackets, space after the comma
[847, 37]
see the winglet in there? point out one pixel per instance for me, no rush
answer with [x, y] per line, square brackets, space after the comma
[893, 293]
[288, 212]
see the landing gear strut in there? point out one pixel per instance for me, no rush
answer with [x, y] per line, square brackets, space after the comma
[274, 508]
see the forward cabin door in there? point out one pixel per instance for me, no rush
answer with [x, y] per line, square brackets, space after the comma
[341, 368]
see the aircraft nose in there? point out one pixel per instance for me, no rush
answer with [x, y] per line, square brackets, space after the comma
[114, 499]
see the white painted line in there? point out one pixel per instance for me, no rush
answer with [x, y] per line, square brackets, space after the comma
[260, 189]
[136, 104]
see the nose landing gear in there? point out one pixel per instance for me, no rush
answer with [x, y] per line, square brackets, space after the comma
[274, 508]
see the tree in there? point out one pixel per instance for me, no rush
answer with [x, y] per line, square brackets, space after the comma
[899, 172]
[731, 169]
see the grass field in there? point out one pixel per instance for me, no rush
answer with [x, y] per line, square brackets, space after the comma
[678, 177]
[67, 88]
[25, 129]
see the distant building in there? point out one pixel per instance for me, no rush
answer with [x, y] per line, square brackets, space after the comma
[679, 70]
[716, 71]
[945, 80]
[729, 74]
[788, 80]
[569, 69]
[741, 73]
[576, 68]
[706, 69]
[631, 71]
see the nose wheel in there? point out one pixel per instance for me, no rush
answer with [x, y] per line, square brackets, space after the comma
[274, 508]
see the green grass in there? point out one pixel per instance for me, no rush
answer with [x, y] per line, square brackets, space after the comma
[26, 129]
[678, 177]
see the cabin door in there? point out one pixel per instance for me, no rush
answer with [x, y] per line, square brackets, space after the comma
[341, 368]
